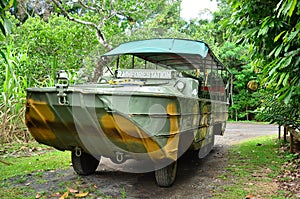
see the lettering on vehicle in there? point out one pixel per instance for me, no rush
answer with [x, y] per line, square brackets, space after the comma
[145, 74]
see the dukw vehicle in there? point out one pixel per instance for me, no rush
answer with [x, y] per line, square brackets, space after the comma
[161, 98]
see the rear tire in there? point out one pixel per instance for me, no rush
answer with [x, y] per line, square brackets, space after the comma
[85, 164]
[165, 177]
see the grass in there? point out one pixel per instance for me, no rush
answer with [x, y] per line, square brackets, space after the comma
[41, 159]
[252, 167]
[247, 121]
[21, 166]
[14, 177]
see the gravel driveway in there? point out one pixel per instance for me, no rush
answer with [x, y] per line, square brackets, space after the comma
[197, 178]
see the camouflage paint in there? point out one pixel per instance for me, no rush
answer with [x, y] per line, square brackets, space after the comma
[38, 115]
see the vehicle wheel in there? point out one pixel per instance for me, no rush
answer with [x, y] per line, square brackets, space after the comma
[85, 164]
[165, 177]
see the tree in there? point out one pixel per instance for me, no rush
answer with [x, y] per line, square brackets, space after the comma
[245, 100]
[109, 18]
[30, 8]
[52, 46]
[274, 37]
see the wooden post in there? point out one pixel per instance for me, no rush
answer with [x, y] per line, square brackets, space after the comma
[291, 143]
[284, 133]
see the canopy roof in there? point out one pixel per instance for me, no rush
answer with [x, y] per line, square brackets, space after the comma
[179, 54]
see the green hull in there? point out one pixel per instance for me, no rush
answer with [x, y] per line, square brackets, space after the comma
[134, 120]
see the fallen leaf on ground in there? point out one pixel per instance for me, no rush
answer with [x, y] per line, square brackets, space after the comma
[38, 195]
[72, 190]
[249, 196]
[81, 195]
[65, 195]
[56, 195]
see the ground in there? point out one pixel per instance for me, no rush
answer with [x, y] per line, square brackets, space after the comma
[197, 178]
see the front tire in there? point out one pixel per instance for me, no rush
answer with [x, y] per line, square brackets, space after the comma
[165, 177]
[85, 164]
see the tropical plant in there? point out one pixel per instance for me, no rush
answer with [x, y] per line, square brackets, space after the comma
[15, 80]
[274, 37]
[56, 44]
[245, 100]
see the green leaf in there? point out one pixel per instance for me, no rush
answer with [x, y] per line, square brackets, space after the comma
[266, 20]
[278, 50]
[3, 55]
[2, 29]
[287, 47]
[9, 5]
[298, 25]
[272, 52]
[282, 76]
[7, 26]
[285, 81]
[278, 5]
[285, 62]
[278, 36]
[293, 35]
[292, 8]
[288, 97]
[1, 5]
[273, 66]
[263, 30]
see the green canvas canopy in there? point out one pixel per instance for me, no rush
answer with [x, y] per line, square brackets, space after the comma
[179, 54]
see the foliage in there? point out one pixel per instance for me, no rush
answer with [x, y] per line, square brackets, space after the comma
[29, 63]
[245, 101]
[279, 113]
[165, 24]
[109, 19]
[14, 81]
[52, 46]
[5, 24]
[274, 34]
[274, 37]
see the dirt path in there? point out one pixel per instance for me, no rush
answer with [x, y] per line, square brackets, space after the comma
[196, 178]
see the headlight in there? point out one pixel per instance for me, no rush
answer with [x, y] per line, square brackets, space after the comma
[180, 86]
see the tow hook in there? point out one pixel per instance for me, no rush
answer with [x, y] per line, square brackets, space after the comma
[120, 157]
[78, 151]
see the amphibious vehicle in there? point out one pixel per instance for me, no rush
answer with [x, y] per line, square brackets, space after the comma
[159, 99]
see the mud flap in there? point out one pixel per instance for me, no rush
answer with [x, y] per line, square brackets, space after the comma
[205, 150]
[218, 129]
